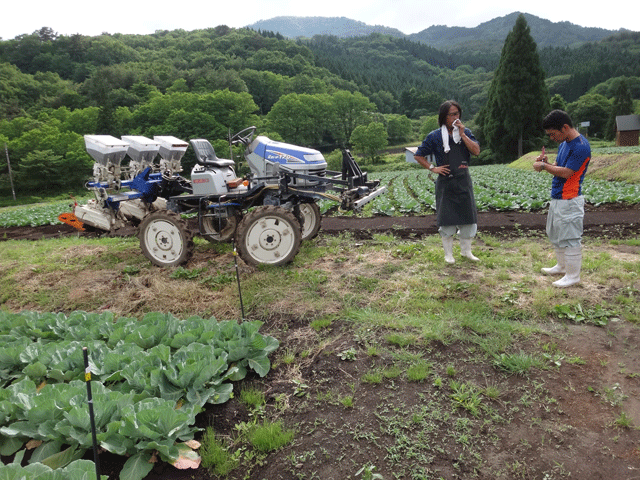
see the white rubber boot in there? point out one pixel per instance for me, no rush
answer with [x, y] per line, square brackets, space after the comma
[559, 268]
[447, 244]
[465, 249]
[573, 264]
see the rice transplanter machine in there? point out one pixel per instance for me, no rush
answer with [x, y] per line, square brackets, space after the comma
[269, 212]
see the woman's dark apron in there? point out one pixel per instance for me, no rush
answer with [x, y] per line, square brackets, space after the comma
[455, 203]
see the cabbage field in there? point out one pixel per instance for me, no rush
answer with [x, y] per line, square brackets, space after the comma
[496, 187]
[152, 377]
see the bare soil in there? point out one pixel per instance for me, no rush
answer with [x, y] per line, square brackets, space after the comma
[552, 424]
[614, 220]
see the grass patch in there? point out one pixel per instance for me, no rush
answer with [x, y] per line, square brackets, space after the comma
[269, 436]
[519, 363]
[252, 398]
[418, 372]
[216, 455]
[372, 377]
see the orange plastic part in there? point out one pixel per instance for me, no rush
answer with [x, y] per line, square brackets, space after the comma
[235, 183]
[71, 219]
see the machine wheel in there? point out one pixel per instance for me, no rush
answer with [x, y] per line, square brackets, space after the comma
[219, 230]
[165, 239]
[310, 218]
[268, 235]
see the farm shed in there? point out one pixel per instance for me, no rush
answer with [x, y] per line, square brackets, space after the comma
[627, 130]
[409, 153]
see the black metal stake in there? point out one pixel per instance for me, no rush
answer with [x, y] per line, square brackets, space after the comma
[235, 252]
[235, 259]
[87, 379]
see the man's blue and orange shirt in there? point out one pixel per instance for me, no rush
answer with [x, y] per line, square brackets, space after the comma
[575, 155]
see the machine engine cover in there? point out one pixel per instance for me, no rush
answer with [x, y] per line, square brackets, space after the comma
[211, 181]
[267, 158]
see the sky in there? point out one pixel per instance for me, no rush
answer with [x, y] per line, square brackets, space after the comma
[409, 16]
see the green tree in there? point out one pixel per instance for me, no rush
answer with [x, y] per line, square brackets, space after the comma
[622, 105]
[20, 92]
[558, 103]
[265, 88]
[82, 121]
[219, 79]
[37, 166]
[399, 128]
[350, 110]
[213, 114]
[416, 102]
[592, 108]
[518, 97]
[305, 83]
[179, 85]
[369, 140]
[48, 160]
[429, 124]
[46, 34]
[385, 101]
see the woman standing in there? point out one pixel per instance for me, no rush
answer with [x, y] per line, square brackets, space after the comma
[452, 146]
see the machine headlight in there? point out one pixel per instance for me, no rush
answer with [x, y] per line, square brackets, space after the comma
[314, 158]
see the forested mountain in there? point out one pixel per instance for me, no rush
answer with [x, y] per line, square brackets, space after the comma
[404, 67]
[486, 37]
[489, 36]
[397, 74]
[307, 27]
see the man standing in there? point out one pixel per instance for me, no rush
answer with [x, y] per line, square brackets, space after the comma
[452, 146]
[566, 210]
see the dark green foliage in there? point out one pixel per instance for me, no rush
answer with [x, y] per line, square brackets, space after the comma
[558, 103]
[206, 82]
[593, 63]
[399, 128]
[593, 108]
[518, 97]
[622, 105]
[369, 140]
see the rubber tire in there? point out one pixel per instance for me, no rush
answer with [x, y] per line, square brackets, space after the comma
[210, 229]
[165, 239]
[311, 218]
[268, 235]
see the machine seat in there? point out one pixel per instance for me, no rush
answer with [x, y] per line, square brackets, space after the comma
[206, 155]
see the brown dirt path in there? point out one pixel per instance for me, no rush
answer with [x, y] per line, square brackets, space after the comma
[608, 220]
[605, 220]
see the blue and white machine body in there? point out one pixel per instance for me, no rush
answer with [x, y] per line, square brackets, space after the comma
[267, 158]
[268, 212]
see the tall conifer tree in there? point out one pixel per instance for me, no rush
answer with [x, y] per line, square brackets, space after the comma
[518, 97]
[622, 105]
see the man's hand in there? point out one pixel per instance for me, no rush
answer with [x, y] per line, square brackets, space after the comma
[472, 146]
[442, 170]
[541, 160]
[542, 157]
